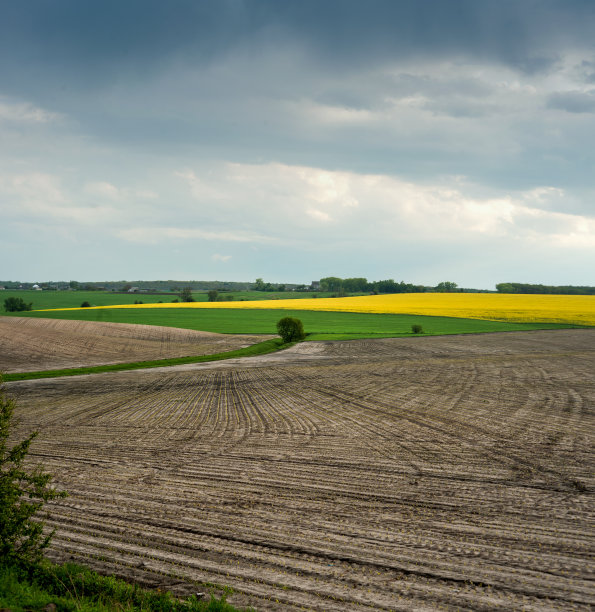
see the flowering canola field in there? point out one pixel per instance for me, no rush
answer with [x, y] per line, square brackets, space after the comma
[578, 309]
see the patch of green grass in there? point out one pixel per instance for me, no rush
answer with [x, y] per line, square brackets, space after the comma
[319, 325]
[75, 588]
[261, 348]
[73, 299]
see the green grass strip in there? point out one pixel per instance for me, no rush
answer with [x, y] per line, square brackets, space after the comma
[261, 348]
[75, 588]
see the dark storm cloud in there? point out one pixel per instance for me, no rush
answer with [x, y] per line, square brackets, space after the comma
[91, 41]
[573, 101]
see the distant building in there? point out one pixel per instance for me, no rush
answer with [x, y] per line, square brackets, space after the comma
[37, 288]
[2, 288]
[133, 290]
[315, 286]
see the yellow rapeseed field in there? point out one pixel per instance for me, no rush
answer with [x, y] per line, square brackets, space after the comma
[494, 306]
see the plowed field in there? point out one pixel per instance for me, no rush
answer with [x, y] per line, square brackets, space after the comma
[398, 474]
[28, 345]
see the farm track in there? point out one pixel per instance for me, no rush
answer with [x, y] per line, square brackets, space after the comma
[28, 345]
[394, 474]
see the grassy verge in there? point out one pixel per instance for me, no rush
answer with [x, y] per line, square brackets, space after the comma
[261, 348]
[73, 588]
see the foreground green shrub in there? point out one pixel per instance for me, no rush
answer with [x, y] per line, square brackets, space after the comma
[417, 329]
[77, 588]
[290, 329]
[23, 492]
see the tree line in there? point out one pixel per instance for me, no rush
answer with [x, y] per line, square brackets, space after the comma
[545, 289]
[362, 285]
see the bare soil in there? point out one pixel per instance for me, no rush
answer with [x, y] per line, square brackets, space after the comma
[451, 473]
[30, 345]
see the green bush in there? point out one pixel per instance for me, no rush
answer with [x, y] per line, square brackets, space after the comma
[85, 305]
[15, 304]
[417, 329]
[186, 295]
[23, 492]
[290, 329]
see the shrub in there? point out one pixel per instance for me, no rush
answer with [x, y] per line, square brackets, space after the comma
[212, 295]
[15, 304]
[23, 492]
[417, 329]
[186, 295]
[85, 305]
[290, 329]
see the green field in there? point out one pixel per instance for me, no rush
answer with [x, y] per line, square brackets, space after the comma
[319, 325]
[73, 299]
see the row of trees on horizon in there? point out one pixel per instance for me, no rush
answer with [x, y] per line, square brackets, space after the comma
[329, 284]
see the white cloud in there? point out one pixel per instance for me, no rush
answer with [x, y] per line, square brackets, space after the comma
[282, 200]
[319, 215]
[24, 112]
[103, 189]
[41, 197]
[221, 258]
[161, 234]
[106, 190]
[200, 188]
[33, 187]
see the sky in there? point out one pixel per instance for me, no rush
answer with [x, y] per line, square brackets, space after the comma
[419, 140]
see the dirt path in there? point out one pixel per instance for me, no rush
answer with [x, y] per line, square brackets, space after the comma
[433, 473]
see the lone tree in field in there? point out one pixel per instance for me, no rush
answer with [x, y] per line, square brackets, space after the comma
[290, 329]
[186, 295]
[15, 304]
[23, 492]
[212, 295]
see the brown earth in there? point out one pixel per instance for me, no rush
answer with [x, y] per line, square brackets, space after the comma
[29, 345]
[451, 473]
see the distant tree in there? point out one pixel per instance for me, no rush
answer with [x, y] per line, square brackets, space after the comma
[331, 283]
[14, 304]
[23, 492]
[355, 285]
[186, 294]
[290, 329]
[281, 288]
[446, 287]
[85, 305]
[127, 287]
[386, 286]
[74, 285]
[212, 295]
[417, 329]
[260, 285]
